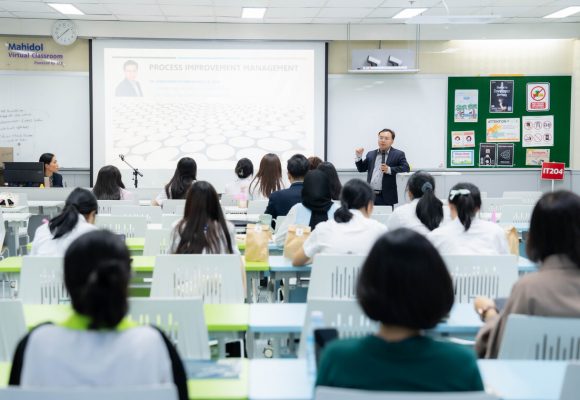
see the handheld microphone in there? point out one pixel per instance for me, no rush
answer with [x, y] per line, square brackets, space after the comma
[122, 157]
[382, 157]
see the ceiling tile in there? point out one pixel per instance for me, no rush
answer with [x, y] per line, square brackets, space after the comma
[143, 18]
[6, 14]
[35, 15]
[297, 3]
[384, 12]
[287, 20]
[241, 3]
[235, 12]
[191, 19]
[176, 11]
[141, 10]
[233, 20]
[356, 3]
[36, 6]
[291, 12]
[346, 13]
[135, 3]
[97, 17]
[93, 8]
[335, 20]
[186, 2]
[379, 20]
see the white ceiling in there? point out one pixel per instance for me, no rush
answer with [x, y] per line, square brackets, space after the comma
[286, 11]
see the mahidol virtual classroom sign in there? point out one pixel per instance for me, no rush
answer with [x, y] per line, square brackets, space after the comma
[33, 51]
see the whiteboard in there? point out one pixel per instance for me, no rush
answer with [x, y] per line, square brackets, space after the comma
[414, 106]
[46, 112]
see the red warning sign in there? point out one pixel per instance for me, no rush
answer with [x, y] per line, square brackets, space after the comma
[538, 96]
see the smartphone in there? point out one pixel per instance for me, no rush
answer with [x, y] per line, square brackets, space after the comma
[235, 349]
[321, 338]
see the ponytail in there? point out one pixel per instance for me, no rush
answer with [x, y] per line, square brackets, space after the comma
[79, 201]
[429, 208]
[342, 214]
[467, 200]
[355, 194]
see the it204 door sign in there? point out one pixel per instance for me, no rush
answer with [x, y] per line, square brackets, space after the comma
[538, 96]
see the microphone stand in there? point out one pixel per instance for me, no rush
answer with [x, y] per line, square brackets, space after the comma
[136, 172]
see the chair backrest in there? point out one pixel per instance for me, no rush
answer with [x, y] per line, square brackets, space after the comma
[182, 320]
[382, 218]
[129, 226]
[157, 241]
[168, 220]
[490, 204]
[528, 196]
[2, 233]
[104, 206]
[42, 281]
[279, 221]
[491, 276]
[382, 210]
[157, 392]
[571, 385]
[216, 278]
[12, 327]
[540, 338]
[332, 393]
[228, 200]
[334, 276]
[345, 315]
[257, 206]
[520, 214]
[173, 206]
[151, 213]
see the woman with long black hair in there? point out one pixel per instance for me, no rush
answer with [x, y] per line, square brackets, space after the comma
[110, 186]
[184, 176]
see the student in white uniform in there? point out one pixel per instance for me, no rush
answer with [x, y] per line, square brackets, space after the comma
[425, 211]
[110, 186]
[351, 231]
[97, 345]
[467, 233]
[244, 172]
[268, 179]
[76, 219]
[185, 174]
[316, 206]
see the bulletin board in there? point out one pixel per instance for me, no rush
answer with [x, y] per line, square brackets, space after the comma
[508, 121]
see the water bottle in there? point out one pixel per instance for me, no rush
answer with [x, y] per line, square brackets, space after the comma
[316, 322]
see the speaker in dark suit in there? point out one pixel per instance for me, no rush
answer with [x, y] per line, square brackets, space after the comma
[382, 166]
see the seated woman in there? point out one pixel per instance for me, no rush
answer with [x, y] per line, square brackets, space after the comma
[185, 174]
[96, 345]
[335, 185]
[467, 233]
[351, 232]
[317, 205]
[425, 211]
[50, 170]
[405, 286]
[268, 179]
[554, 291]
[76, 219]
[244, 171]
[110, 186]
[314, 162]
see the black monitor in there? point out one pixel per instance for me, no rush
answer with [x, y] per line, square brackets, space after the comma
[23, 173]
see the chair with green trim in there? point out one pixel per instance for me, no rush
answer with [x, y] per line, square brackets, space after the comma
[157, 241]
[153, 392]
[106, 205]
[12, 327]
[42, 281]
[151, 213]
[131, 226]
[173, 206]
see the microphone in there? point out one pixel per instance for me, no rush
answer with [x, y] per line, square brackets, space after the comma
[122, 157]
[382, 157]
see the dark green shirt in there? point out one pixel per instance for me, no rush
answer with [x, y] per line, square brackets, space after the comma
[418, 364]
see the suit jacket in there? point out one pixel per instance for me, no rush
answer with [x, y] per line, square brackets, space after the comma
[56, 180]
[398, 163]
[126, 89]
[282, 201]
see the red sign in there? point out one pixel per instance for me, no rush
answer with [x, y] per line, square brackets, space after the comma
[553, 171]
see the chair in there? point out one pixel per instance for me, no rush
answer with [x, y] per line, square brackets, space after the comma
[530, 197]
[382, 210]
[104, 206]
[42, 282]
[540, 338]
[171, 206]
[279, 222]
[257, 206]
[151, 213]
[228, 200]
[12, 327]
[2, 236]
[491, 204]
[334, 276]
[332, 393]
[168, 220]
[345, 315]
[491, 276]
[517, 215]
[382, 218]
[157, 241]
[129, 226]
[571, 385]
[156, 392]
[216, 278]
[182, 320]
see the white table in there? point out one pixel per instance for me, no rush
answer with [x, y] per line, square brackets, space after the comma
[279, 379]
[281, 268]
[14, 210]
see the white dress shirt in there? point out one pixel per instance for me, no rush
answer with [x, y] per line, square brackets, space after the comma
[45, 245]
[482, 238]
[176, 238]
[238, 186]
[356, 236]
[299, 215]
[405, 216]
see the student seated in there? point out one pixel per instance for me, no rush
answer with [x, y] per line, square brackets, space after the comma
[314, 162]
[316, 206]
[50, 170]
[281, 201]
[425, 211]
[330, 171]
[554, 291]
[405, 286]
[110, 186]
[76, 219]
[351, 231]
[96, 345]
[185, 174]
[268, 179]
[467, 233]
[244, 171]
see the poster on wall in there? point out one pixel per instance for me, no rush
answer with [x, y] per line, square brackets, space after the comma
[535, 157]
[538, 131]
[466, 105]
[502, 130]
[462, 139]
[505, 155]
[487, 152]
[538, 95]
[462, 158]
[501, 96]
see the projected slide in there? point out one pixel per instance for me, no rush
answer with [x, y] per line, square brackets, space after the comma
[215, 105]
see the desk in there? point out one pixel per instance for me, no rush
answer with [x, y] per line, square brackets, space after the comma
[281, 268]
[279, 380]
[50, 207]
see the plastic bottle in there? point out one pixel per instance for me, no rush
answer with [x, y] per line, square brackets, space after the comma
[316, 322]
